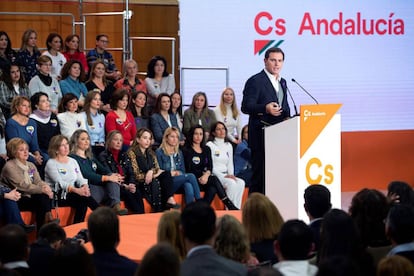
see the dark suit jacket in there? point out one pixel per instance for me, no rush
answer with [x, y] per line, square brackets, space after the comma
[159, 125]
[316, 230]
[258, 92]
[113, 264]
[206, 261]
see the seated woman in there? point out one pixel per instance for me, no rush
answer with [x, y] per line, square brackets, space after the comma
[171, 159]
[64, 174]
[69, 118]
[156, 185]
[46, 121]
[94, 121]
[120, 118]
[43, 82]
[103, 184]
[11, 85]
[262, 221]
[228, 113]
[9, 210]
[71, 51]
[21, 174]
[139, 110]
[20, 125]
[7, 54]
[54, 44]
[158, 79]
[72, 80]
[243, 158]
[199, 114]
[177, 109]
[222, 156]
[117, 161]
[28, 54]
[97, 81]
[197, 157]
[131, 82]
[161, 119]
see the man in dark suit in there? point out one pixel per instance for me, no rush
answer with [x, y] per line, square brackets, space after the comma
[265, 100]
[198, 224]
[103, 226]
[317, 204]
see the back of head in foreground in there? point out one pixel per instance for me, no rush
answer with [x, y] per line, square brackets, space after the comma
[13, 244]
[400, 224]
[103, 226]
[198, 222]
[317, 201]
[160, 259]
[295, 241]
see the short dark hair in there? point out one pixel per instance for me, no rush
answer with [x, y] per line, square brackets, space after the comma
[161, 253]
[51, 232]
[274, 50]
[400, 223]
[99, 36]
[157, 107]
[317, 200]
[117, 96]
[35, 98]
[13, 244]
[103, 225]
[295, 240]
[198, 222]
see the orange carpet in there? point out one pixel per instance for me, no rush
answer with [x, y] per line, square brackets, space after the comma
[138, 233]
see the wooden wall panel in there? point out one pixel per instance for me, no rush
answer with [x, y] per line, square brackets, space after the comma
[147, 20]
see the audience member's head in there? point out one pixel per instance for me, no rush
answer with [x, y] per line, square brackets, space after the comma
[14, 244]
[395, 266]
[198, 223]
[261, 218]
[103, 226]
[317, 201]
[369, 208]
[169, 231]
[339, 236]
[161, 259]
[52, 234]
[231, 240]
[401, 192]
[295, 241]
[72, 259]
[400, 224]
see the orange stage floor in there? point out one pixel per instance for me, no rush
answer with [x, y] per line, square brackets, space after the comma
[138, 233]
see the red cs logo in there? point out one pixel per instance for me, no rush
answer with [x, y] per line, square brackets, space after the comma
[264, 24]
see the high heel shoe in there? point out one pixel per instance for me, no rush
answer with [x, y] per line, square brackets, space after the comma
[172, 206]
[229, 204]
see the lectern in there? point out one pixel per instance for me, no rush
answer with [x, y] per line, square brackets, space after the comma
[302, 151]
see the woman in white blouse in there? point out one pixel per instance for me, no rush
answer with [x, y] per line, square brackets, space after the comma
[69, 118]
[158, 79]
[223, 167]
[228, 113]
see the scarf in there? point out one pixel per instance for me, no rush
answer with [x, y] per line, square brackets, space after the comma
[47, 80]
[115, 154]
[45, 115]
[25, 168]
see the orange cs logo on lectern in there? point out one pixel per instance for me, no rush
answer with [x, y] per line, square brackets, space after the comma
[323, 172]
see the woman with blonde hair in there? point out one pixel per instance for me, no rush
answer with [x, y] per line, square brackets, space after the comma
[28, 54]
[262, 221]
[231, 241]
[228, 113]
[169, 231]
[171, 159]
[21, 174]
[98, 82]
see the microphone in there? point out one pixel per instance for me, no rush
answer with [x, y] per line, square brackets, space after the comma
[293, 101]
[303, 89]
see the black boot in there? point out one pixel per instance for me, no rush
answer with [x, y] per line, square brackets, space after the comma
[229, 204]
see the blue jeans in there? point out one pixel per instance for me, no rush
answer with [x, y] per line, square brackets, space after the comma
[10, 211]
[190, 185]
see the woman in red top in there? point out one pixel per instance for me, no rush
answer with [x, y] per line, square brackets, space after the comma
[71, 51]
[120, 118]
